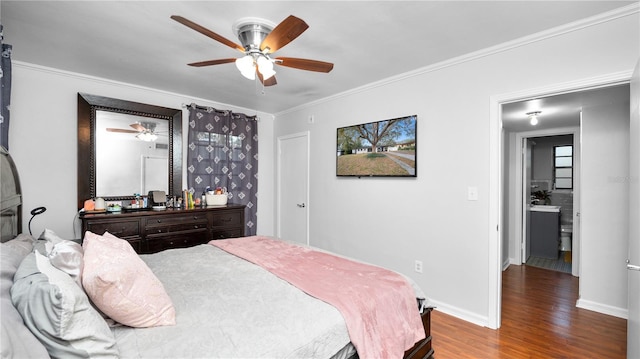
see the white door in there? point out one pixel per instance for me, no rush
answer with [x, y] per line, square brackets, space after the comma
[293, 184]
[154, 174]
[633, 322]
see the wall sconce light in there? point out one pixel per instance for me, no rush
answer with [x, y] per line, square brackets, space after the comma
[533, 117]
[35, 212]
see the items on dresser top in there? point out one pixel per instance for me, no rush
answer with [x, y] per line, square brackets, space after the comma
[154, 231]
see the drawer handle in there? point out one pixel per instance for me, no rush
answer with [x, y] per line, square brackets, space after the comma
[159, 221]
[159, 230]
[196, 226]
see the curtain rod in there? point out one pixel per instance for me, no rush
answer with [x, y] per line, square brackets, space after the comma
[206, 108]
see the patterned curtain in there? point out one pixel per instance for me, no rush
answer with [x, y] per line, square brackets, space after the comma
[5, 90]
[223, 152]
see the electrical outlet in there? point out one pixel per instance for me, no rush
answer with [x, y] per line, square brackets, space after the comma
[417, 266]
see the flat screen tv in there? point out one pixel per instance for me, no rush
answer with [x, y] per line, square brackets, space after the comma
[378, 149]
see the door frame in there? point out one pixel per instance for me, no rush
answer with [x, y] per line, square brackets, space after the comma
[279, 180]
[497, 168]
[520, 185]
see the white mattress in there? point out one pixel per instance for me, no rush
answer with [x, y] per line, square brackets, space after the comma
[227, 307]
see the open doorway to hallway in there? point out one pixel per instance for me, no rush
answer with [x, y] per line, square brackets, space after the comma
[601, 130]
[538, 180]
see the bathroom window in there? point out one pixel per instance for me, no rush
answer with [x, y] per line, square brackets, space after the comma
[563, 167]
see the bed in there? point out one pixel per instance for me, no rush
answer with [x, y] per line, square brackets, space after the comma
[208, 300]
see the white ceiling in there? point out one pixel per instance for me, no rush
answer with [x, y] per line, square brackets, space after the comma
[136, 42]
[561, 110]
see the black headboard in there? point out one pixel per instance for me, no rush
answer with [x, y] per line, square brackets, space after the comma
[10, 198]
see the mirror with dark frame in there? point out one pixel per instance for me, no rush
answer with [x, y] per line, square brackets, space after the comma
[127, 147]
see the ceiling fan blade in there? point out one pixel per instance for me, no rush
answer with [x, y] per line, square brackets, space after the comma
[284, 33]
[120, 130]
[271, 81]
[192, 25]
[304, 64]
[212, 62]
[138, 127]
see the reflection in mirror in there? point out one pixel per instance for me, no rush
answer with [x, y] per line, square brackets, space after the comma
[132, 154]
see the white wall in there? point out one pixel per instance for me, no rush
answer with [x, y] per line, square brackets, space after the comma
[429, 218]
[604, 210]
[43, 142]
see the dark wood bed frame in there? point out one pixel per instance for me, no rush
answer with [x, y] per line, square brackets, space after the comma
[11, 225]
[10, 198]
[423, 348]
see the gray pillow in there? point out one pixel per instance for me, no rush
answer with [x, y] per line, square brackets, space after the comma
[17, 340]
[22, 244]
[58, 312]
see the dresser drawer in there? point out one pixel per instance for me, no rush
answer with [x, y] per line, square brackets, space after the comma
[170, 226]
[159, 242]
[224, 233]
[136, 243]
[119, 228]
[176, 219]
[227, 219]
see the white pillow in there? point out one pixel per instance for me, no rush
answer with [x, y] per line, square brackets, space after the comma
[58, 312]
[121, 285]
[63, 254]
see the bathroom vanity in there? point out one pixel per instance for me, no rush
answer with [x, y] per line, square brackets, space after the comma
[544, 231]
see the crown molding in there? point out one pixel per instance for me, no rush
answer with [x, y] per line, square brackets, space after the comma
[523, 41]
[106, 81]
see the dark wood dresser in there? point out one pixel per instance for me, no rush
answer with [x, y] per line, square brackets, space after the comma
[151, 231]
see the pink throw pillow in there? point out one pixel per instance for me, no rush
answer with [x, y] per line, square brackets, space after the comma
[121, 285]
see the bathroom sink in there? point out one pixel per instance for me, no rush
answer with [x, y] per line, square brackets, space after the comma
[542, 208]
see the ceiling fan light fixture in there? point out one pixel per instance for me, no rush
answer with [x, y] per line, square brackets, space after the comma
[533, 117]
[247, 67]
[147, 136]
[265, 66]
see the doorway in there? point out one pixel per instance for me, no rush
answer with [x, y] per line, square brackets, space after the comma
[502, 206]
[550, 199]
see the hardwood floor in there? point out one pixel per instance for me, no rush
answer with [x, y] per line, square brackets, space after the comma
[539, 320]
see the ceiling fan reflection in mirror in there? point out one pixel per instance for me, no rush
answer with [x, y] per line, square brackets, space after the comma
[260, 39]
[145, 131]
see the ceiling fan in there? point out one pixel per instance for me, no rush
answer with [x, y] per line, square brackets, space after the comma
[145, 131]
[260, 40]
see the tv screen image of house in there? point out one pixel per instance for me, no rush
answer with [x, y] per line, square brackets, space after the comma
[378, 149]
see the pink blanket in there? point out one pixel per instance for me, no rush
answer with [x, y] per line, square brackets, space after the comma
[378, 305]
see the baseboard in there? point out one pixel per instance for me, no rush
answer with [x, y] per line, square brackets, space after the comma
[603, 308]
[506, 264]
[460, 313]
